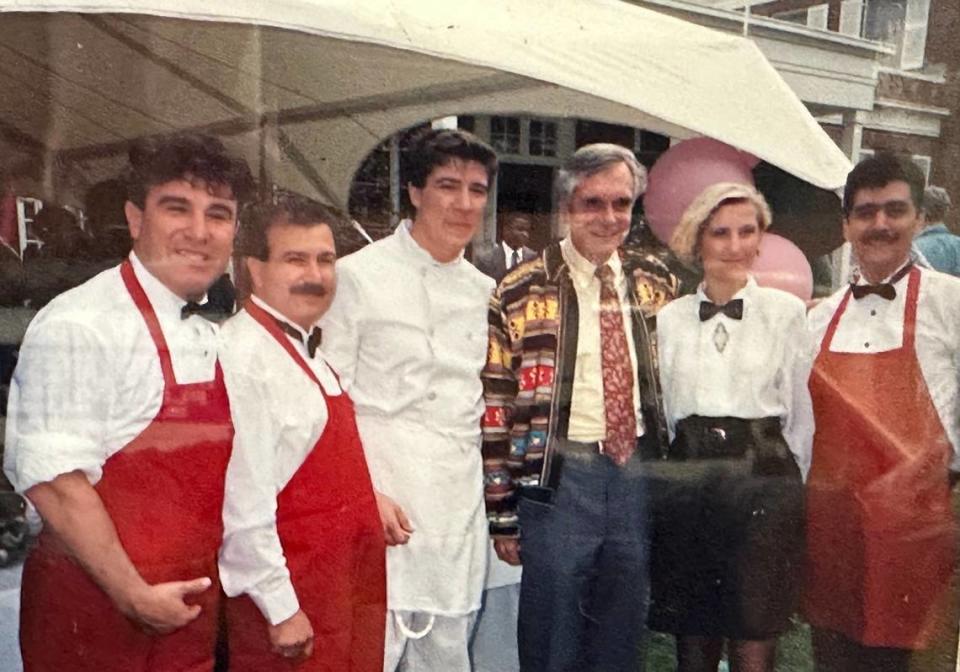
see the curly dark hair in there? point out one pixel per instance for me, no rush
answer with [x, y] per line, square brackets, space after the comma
[161, 158]
[879, 171]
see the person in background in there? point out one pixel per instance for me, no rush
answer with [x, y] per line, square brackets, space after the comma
[407, 334]
[881, 536]
[727, 539]
[934, 241]
[497, 260]
[303, 546]
[572, 405]
[119, 432]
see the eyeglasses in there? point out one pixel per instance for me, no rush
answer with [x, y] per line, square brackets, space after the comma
[892, 209]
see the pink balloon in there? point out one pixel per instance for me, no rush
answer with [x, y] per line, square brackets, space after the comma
[682, 172]
[782, 265]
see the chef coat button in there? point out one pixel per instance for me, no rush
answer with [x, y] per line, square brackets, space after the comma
[873, 313]
[432, 396]
[866, 345]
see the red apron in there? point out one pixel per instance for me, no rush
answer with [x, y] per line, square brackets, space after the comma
[330, 531]
[164, 493]
[881, 538]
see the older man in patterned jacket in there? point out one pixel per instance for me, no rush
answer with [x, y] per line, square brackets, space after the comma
[572, 408]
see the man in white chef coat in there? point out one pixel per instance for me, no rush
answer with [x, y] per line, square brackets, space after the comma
[407, 334]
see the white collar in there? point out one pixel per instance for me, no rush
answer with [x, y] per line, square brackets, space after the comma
[273, 312]
[412, 247]
[163, 300]
[860, 280]
[582, 270]
[745, 293]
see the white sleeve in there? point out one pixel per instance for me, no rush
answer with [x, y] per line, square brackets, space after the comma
[341, 336]
[251, 557]
[664, 350]
[59, 404]
[798, 423]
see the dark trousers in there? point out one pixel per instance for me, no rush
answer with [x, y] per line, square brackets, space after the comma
[583, 599]
[833, 652]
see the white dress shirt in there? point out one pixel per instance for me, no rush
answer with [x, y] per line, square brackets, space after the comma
[508, 255]
[588, 421]
[408, 336]
[873, 324]
[762, 371]
[88, 379]
[278, 415]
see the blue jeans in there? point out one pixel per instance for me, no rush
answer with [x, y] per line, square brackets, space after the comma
[584, 595]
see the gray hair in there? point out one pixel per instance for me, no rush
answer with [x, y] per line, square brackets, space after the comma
[589, 160]
[936, 202]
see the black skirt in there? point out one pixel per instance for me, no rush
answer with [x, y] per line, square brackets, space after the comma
[727, 530]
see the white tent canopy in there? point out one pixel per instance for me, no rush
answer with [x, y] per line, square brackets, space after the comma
[306, 88]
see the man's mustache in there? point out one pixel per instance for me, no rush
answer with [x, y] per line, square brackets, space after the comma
[879, 236]
[310, 288]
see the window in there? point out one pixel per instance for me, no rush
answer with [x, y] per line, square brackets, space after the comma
[798, 16]
[812, 17]
[901, 23]
[505, 134]
[851, 17]
[543, 138]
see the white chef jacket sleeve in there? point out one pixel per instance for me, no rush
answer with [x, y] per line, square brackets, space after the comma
[251, 557]
[798, 421]
[59, 404]
[341, 336]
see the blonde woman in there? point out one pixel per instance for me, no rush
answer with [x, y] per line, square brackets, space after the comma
[728, 503]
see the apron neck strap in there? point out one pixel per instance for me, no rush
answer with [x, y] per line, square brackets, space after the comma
[150, 317]
[270, 324]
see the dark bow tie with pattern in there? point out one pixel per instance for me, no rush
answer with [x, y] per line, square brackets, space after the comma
[732, 309]
[208, 311]
[885, 290]
[313, 340]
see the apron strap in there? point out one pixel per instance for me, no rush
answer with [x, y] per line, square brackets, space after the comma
[834, 321]
[910, 310]
[269, 323]
[150, 317]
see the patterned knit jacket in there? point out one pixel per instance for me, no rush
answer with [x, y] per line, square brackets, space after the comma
[528, 378]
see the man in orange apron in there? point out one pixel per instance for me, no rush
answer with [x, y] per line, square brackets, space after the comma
[882, 542]
[303, 545]
[119, 432]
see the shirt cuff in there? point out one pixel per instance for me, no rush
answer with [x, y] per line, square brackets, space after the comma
[43, 457]
[278, 603]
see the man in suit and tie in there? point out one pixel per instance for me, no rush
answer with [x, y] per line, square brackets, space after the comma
[496, 260]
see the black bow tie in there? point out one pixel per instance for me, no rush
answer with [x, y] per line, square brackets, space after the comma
[208, 311]
[313, 340]
[885, 290]
[732, 309]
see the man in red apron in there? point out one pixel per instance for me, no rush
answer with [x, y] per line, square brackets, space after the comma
[119, 432]
[882, 542]
[303, 546]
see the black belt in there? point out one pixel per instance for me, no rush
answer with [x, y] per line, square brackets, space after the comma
[701, 437]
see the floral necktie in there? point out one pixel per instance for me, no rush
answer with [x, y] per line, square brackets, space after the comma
[619, 410]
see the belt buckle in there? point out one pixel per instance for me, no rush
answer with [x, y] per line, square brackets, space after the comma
[718, 432]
